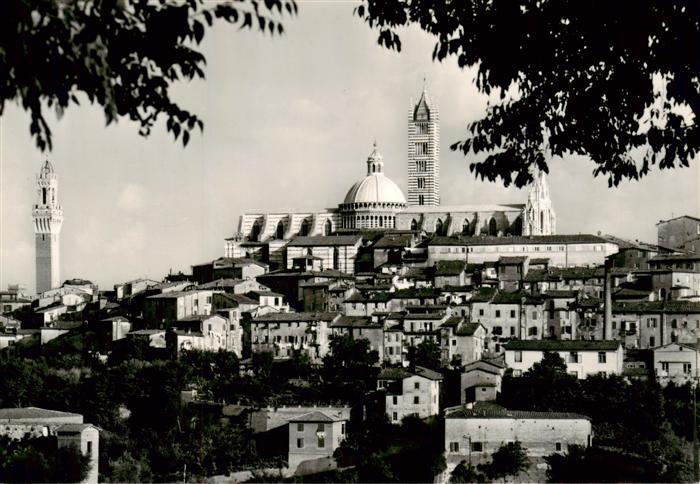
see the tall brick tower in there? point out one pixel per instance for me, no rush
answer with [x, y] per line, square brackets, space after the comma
[48, 218]
[424, 152]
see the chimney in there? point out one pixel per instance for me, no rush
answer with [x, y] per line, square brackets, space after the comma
[607, 306]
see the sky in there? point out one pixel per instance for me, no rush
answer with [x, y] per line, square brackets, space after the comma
[289, 122]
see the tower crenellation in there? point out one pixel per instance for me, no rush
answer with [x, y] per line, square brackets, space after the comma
[48, 219]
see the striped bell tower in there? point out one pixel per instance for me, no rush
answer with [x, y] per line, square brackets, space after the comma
[424, 152]
[48, 218]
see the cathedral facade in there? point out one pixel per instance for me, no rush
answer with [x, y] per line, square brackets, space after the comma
[376, 203]
[48, 219]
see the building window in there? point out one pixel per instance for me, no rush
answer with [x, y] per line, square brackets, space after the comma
[557, 446]
[532, 331]
[534, 314]
[512, 313]
[602, 357]
[300, 427]
[89, 447]
[477, 447]
[321, 441]
[454, 446]
[687, 367]
[416, 400]
[416, 385]
[573, 357]
[395, 400]
[497, 330]
[512, 331]
[498, 313]
[395, 417]
[421, 182]
[481, 312]
[342, 428]
[421, 148]
[421, 200]
[518, 355]
[664, 366]
[321, 427]
[300, 443]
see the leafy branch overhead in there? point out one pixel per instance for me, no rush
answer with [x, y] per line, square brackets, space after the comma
[618, 82]
[123, 55]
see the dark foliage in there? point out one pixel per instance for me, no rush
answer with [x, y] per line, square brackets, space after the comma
[122, 55]
[608, 80]
[426, 354]
[40, 460]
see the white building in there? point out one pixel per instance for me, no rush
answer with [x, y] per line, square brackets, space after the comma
[474, 432]
[202, 333]
[676, 362]
[582, 357]
[424, 152]
[415, 392]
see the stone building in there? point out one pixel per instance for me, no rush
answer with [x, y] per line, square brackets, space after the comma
[582, 358]
[48, 219]
[313, 438]
[336, 252]
[676, 232]
[410, 392]
[376, 203]
[676, 362]
[474, 432]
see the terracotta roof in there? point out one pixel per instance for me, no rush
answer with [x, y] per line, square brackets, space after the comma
[316, 417]
[293, 317]
[508, 297]
[491, 410]
[355, 322]
[560, 294]
[483, 294]
[562, 345]
[223, 282]
[74, 428]
[393, 241]
[517, 260]
[401, 373]
[675, 257]
[467, 329]
[33, 413]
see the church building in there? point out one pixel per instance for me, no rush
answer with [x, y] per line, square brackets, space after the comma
[376, 203]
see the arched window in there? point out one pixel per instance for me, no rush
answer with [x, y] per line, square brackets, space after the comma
[255, 231]
[542, 220]
[305, 227]
[493, 227]
[466, 229]
[279, 233]
[43, 193]
[438, 227]
[414, 224]
[381, 221]
[328, 228]
[336, 258]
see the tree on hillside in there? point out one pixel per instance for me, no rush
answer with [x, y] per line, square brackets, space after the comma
[508, 460]
[349, 368]
[567, 78]
[426, 354]
[122, 55]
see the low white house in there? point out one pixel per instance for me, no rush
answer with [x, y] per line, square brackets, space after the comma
[414, 392]
[481, 381]
[675, 362]
[582, 357]
[474, 432]
[203, 333]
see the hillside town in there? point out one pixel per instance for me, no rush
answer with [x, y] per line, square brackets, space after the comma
[389, 339]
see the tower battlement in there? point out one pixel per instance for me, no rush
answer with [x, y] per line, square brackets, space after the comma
[48, 220]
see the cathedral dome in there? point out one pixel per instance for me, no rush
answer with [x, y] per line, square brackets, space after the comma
[375, 187]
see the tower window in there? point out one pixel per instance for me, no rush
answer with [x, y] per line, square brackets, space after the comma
[43, 195]
[422, 148]
[421, 128]
[421, 200]
[421, 166]
[421, 182]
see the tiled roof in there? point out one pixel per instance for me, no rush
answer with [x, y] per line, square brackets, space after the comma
[491, 410]
[413, 292]
[355, 322]
[467, 329]
[393, 241]
[562, 345]
[220, 283]
[401, 373]
[560, 294]
[452, 321]
[676, 218]
[535, 239]
[316, 417]
[675, 306]
[517, 260]
[443, 241]
[324, 241]
[146, 332]
[483, 365]
[675, 258]
[199, 317]
[176, 294]
[294, 317]
[74, 428]
[27, 413]
[631, 244]
[539, 260]
[508, 297]
[424, 316]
